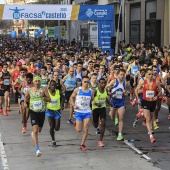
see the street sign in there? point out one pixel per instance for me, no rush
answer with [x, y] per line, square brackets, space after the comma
[51, 31]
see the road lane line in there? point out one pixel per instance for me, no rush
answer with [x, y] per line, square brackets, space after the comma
[137, 150]
[3, 155]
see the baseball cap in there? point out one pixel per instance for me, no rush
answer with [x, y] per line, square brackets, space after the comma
[119, 57]
[19, 63]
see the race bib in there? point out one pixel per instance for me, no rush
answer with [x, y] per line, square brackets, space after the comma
[84, 103]
[149, 93]
[43, 85]
[101, 102]
[37, 105]
[119, 94]
[60, 76]
[25, 90]
[71, 88]
[53, 102]
[6, 82]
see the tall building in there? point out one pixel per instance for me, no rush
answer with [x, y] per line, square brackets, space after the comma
[145, 20]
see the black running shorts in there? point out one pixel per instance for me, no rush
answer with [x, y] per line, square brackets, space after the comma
[99, 113]
[149, 105]
[37, 118]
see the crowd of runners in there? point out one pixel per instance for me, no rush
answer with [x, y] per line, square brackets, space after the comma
[46, 78]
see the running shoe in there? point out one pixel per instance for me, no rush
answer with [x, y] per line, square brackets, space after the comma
[83, 147]
[101, 144]
[144, 123]
[116, 121]
[140, 114]
[169, 117]
[69, 121]
[74, 124]
[120, 137]
[8, 108]
[155, 126]
[6, 113]
[23, 129]
[135, 123]
[1, 111]
[133, 102]
[157, 120]
[38, 153]
[163, 99]
[98, 131]
[54, 144]
[152, 139]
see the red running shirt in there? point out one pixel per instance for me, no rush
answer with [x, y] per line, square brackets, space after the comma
[149, 90]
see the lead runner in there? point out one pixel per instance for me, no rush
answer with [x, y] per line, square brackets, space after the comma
[37, 97]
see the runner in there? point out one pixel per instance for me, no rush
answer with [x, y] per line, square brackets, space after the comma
[37, 97]
[21, 78]
[15, 75]
[99, 108]
[24, 86]
[132, 69]
[80, 101]
[151, 92]
[5, 89]
[70, 84]
[118, 91]
[78, 73]
[53, 110]
[44, 77]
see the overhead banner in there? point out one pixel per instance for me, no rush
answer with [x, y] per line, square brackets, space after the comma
[105, 32]
[96, 12]
[56, 12]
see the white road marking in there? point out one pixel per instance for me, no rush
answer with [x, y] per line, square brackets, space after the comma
[164, 106]
[3, 155]
[137, 150]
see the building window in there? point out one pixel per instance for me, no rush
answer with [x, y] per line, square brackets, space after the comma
[135, 17]
[150, 10]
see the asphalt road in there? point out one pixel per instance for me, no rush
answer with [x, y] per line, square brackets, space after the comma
[17, 151]
[159, 152]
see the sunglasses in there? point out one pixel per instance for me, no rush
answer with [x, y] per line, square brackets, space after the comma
[49, 64]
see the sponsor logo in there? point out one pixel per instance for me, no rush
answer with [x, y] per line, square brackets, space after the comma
[105, 26]
[17, 14]
[97, 12]
[106, 31]
[105, 42]
[89, 12]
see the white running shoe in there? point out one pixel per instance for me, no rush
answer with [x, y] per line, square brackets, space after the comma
[38, 153]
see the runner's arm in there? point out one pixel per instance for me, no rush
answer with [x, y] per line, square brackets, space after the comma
[45, 95]
[63, 87]
[159, 89]
[73, 97]
[128, 70]
[139, 86]
[27, 97]
[19, 89]
[110, 84]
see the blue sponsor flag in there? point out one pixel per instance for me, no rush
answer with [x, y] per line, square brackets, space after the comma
[105, 32]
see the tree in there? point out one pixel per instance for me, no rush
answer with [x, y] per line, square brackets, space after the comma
[6, 24]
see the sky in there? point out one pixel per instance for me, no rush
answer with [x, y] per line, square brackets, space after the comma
[2, 2]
